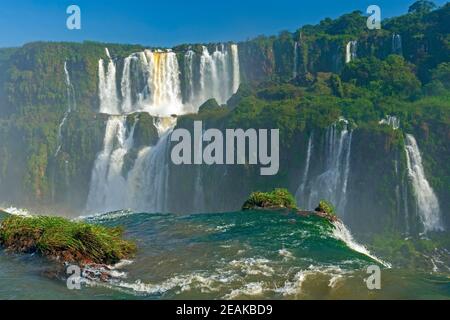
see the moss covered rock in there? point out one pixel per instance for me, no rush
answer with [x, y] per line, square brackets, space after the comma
[277, 199]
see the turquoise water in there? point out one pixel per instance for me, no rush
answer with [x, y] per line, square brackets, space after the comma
[251, 255]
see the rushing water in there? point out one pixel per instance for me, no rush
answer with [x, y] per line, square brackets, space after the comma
[295, 70]
[350, 51]
[151, 82]
[71, 105]
[332, 183]
[108, 183]
[242, 255]
[427, 202]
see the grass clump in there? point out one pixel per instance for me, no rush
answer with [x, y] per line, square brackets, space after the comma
[278, 198]
[65, 240]
[326, 207]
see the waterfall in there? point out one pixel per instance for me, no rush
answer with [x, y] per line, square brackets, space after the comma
[209, 81]
[350, 51]
[164, 83]
[294, 73]
[207, 76]
[126, 85]
[109, 101]
[391, 121]
[332, 184]
[397, 44]
[71, 105]
[107, 182]
[236, 69]
[159, 94]
[219, 74]
[189, 67]
[151, 82]
[426, 200]
[300, 191]
[147, 183]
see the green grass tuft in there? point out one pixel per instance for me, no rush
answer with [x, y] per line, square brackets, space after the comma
[279, 198]
[326, 207]
[65, 240]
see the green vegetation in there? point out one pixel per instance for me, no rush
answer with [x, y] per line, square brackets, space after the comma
[326, 207]
[64, 240]
[279, 198]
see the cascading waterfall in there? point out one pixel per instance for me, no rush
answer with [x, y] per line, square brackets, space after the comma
[147, 183]
[427, 203]
[332, 184]
[207, 76]
[350, 51]
[107, 88]
[397, 44]
[127, 102]
[236, 69]
[163, 82]
[107, 182]
[301, 189]
[294, 73]
[391, 121]
[217, 79]
[189, 76]
[151, 82]
[71, 105]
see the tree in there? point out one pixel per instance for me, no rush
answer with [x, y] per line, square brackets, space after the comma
[422, 6]
[392, 76]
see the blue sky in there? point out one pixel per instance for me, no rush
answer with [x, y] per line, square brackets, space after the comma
[167, 23]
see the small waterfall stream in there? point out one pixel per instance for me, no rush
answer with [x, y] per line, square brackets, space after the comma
[295, 71]
[350, 51]
[332, 184]
[427, 203]
[71, 105]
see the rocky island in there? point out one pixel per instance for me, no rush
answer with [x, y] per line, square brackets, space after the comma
[283, 200]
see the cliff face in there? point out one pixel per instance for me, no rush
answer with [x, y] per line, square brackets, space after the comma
[300, 82]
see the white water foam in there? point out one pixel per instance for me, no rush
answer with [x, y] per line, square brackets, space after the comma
[341, 232]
